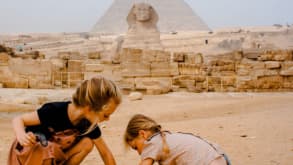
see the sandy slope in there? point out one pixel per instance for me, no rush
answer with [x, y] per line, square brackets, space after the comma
[252, 128]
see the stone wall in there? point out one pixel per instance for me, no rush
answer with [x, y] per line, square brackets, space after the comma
[157, 71]
[252, 70]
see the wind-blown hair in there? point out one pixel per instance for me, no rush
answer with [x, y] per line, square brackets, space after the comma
[95, 93]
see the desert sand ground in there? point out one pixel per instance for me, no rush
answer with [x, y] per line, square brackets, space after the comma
[253, 128]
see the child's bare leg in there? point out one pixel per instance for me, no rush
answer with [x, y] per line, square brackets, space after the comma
[78, 152]
[219, 161]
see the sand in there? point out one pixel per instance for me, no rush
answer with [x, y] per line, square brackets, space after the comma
[253, 128]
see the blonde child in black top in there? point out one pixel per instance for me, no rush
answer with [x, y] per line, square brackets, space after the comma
[93, 102]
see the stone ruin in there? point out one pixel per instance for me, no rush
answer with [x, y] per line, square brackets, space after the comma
[142, 32]
[158, 71]
[143, 61]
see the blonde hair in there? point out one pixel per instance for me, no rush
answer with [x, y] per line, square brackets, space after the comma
[95, 93]
[142, 122]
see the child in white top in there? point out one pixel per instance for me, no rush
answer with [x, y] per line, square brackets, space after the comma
[144, 135]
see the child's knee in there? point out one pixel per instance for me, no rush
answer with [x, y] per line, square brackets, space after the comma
[87, 144]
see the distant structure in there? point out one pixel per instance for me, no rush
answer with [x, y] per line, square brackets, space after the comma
[175, 15]
[142, 31]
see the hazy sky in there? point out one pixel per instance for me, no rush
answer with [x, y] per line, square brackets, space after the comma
[22, 16]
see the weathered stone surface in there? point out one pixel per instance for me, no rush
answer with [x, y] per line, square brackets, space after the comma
[266, 57]
[4, 57]
[58, 64]
[135, 96]
[272, 64]
[94, 55]
[162, 69]
[189, 69]
[270, 82]
[16, 83]
[154, 85]
[126, 83]
[94, 67]
[287, 72]
[156, 56]
[40, 83]
[252, 54]
[245, 82]
[132, 69]
[178, 57]
[131, 55]
[29, 67]
[142, 32]
[228, 81]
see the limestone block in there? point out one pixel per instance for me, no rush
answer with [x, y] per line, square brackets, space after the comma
[149, 55]
[134, 69]
[181, 80]
[244, 66]
[228, 67]
[1, 86]
[29, 67]
[58, 64]
[286, 65]
[71, 55]
[270, 82]
[287, 68]
[64, 55]
[258, 65]
[189, 69]
[178, 57]
[174, 69]
[251, 54]
[287, 72]
[94, 67]
[94, 55]
[288, 82]
[271, 72]
[89, 75]
[163, 56]
[154, 85]
[199, 78]
[160, 69]
[4, 58]
[272, 64]
[126, 83]
[131, 55]
[243, 72]
[198, 58]
[283, 55]
[245, 82]
[266, 57]
[190, 58]
[74, 78]
[237, 55]
[75, 66]
[17, 82]
[229, 81]
[156, 56]
[214, 80]
[135, 96]
[40, 83]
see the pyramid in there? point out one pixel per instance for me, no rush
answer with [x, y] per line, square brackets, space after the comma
[174, 15]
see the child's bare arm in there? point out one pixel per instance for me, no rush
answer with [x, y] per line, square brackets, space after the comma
[104, 151]
[20, 122]
[147, 161]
